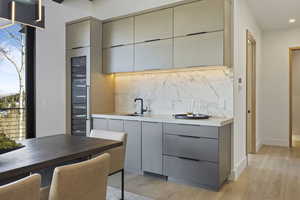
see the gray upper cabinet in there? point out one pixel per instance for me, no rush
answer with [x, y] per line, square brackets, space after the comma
[118, 59]
[78, 34]
[200, 16]
[152, 143]
[199, 50]
[133, 149]
[119, 32]
[154, 25]
[154, 55]
[188, 35]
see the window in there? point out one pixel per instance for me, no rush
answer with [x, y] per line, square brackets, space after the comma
[17, 82]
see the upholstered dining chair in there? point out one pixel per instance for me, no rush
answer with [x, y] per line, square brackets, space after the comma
[86, 180]
[25, 189]
[117, 154]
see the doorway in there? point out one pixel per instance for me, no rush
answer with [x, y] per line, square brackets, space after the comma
[294, 126]
[251, 94]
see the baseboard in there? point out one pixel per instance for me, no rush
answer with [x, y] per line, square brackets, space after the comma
[276, 142]
[296, 137]
[259, 145]
[296, 132]
[237, 171]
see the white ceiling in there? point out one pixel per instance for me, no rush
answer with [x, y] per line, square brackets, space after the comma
[275, 14]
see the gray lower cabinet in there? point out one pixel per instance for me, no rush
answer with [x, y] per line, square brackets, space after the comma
[191, 147]
[152, 138]
[191, 171]
[133, 149]
[134, 145]
[100, 124]
[116, 125]
[202, 159]
[192, 154]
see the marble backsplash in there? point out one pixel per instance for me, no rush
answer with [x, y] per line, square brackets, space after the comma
[202, 91]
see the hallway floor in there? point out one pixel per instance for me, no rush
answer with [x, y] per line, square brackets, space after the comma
[272, 174]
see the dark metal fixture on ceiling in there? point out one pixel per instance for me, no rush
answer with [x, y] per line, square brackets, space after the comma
[27, 12]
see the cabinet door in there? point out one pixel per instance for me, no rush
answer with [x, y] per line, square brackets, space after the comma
[199, 50]
[133, 149]
[78, 35]
[118, 59]
[152, 142]
[200, 16]
[118, 32]
[154, 25]
[116, 125]
[154, 55]
[100, 124]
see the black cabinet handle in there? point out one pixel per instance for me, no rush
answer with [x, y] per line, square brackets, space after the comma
[77, 48]
[198, 33]
[190, 159]
[152, 40]
[187, 136]
[120, 45]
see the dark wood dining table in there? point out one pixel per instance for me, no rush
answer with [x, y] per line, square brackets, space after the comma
[45, 152]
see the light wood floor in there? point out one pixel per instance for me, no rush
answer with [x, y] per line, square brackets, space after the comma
[272, 174]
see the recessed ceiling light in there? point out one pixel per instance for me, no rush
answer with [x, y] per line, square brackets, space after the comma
[291, 21]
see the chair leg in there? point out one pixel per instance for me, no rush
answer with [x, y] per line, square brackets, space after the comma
[122, 182]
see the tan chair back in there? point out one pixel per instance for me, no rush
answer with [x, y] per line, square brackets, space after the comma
[118, 153]
[24, 189]
[81, 181]
[109, 135]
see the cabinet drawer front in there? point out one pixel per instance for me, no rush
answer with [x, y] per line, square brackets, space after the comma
[116, 125]
[200, 16]
[198, 172]
[194, 148]
[100, 124]
[199, 50]
[118, 59]
[154, 25]
[118, 32]
[190, 130]
[154, 55]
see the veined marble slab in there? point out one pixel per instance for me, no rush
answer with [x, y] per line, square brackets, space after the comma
[205, 91]
[213, 121]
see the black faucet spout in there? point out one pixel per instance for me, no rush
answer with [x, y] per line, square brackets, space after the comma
[142, 105]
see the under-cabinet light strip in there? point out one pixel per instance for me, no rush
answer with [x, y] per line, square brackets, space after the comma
[40, 10]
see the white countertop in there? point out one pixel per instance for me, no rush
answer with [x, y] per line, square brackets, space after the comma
[213, 121]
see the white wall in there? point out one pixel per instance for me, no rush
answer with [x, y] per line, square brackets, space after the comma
[296, 92]
[243, 20]
[274, 97]
[50, 65]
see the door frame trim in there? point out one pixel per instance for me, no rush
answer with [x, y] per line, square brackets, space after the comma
[253, 142]
[30, 82]
[291, 49]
